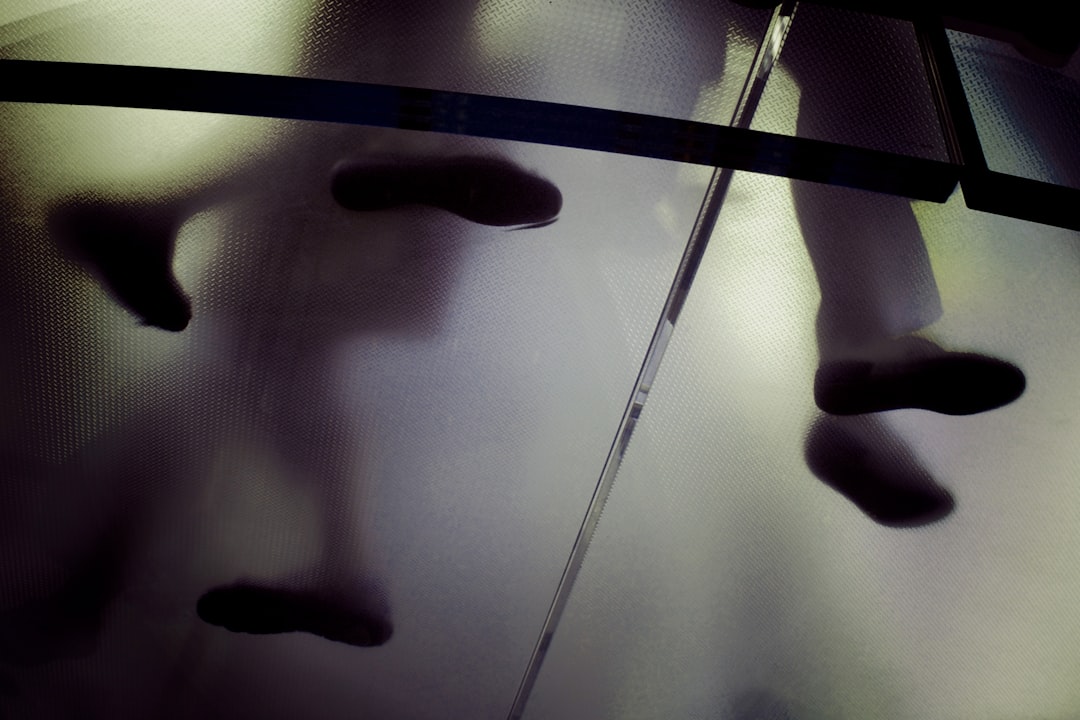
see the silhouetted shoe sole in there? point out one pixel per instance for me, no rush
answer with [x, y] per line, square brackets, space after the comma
[949, 383]
[259, 610]
[485, 190]
[864, 462]
[130, 249]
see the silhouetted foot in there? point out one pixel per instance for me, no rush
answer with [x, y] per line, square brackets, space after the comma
[859, 458]
[916, 373]
[130, 249]
[485, 190]
[248, 608]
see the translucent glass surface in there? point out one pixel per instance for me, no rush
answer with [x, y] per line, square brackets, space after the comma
[1025, 113]
[350, 484]
[726, 581]
[401, 413]
[636, 56]
[854, 79]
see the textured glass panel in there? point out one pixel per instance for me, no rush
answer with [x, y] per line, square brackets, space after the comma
[637, 56]
[1025, 113]
[726, 581]
[263, 36]
[393, 417]
[854, 79]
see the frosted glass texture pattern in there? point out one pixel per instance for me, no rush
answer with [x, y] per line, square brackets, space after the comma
[1025, 113]
[635, 56]
[854, 79]
[726, 581]
[401, 413]
[389, 423]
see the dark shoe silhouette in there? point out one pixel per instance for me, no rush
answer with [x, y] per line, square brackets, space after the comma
[921, 375]
[860, 459]
[485, 190]
[257, 610]
[130, 250]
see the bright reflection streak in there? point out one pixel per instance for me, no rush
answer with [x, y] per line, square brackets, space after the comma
[241, 36]
[508, 32]
[128, 150]
[767, 286]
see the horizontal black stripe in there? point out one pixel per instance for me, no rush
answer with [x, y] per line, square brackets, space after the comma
[1023, 198]
[478, 115]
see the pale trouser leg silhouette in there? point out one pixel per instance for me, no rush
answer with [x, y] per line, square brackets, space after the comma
[877, 290]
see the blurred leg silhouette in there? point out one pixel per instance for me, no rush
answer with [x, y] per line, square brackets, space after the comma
[877, 290]
[129, 246]
[310, 430]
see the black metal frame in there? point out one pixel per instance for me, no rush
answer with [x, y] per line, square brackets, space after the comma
[985, 189]
[477, 115]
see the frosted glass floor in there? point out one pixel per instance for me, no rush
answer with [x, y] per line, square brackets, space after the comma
[854, 79]
[726, 581]
[407, 413]
[401, 411]
[634, 56]
[1024, 112]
